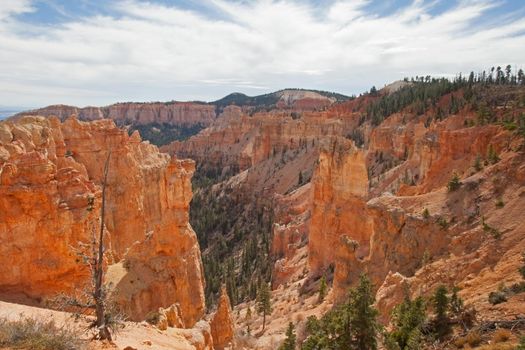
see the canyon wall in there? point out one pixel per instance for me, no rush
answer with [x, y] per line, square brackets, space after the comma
[240, 141]
[172, 113]
[50, 175]
[405, 226]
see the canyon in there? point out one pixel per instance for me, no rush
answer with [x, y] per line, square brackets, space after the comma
[296, 189]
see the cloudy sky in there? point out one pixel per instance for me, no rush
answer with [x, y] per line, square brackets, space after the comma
[97, 52]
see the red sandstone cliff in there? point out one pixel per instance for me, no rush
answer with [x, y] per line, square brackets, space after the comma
[50, 174]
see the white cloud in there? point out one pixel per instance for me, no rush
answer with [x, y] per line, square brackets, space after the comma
[14, 7]
[148, 51]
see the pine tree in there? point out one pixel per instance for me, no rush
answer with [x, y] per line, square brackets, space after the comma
[492, 156]
[289, 342]
[456, 303]
[407, 320]
[263, 302]
[477, 163]
[454, 183]
[441, 305]
[322, 289]
[363, 316]
[350, 326]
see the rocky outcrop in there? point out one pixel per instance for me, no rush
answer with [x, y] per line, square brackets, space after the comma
[340, 189]
[290, 234]
[172, 113]
[47, 205]
[49, 198]
[239, 141]
[417, 233]
[222, 322]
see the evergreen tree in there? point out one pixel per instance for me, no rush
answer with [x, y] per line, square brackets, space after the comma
[264, 302]
[456, 303]
[477, 163]
[407, 319]
[363, 316]
[441, 305]
[454, 183]
[350, 326]
[492, 156]
[289, 342]
[322, 289]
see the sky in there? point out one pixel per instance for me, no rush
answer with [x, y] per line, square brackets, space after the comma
[100, 52]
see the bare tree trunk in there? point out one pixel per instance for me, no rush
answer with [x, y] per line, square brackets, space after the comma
[103, 330]
[264, 319]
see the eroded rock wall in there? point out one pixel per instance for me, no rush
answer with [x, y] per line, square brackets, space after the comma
[51, 174]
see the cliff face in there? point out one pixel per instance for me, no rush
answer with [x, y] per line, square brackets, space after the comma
[405, 226]
[239, 141]
[172, 113]
[50, 196]
[340, 188]
[44, 210]
[290, 234]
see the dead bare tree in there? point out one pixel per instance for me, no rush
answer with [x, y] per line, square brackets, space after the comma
[108, 318]
[99, 294]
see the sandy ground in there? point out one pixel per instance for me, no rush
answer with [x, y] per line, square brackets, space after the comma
[140, 336]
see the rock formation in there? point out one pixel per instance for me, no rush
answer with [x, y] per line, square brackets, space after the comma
[50, 175]
[172, 113]
[340, 189]
[238, 141]
[222, 322]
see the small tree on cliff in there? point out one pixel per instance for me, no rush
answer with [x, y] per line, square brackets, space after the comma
[289, 342]
[441, 306]
[322, 289]
[263, 302]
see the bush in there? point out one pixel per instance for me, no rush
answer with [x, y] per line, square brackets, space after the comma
[521, 345]
[29, 333]
[492, 156]
[426, 213]
[492, 230]
[442, 222]
[473, 339]
[454, 184]
[497, 297]
[477, 163]
[501, 335]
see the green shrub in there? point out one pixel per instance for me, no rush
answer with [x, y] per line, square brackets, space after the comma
[478, 165]
[426, 213]
[442, 222]
[454, 184]
[492, 156]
